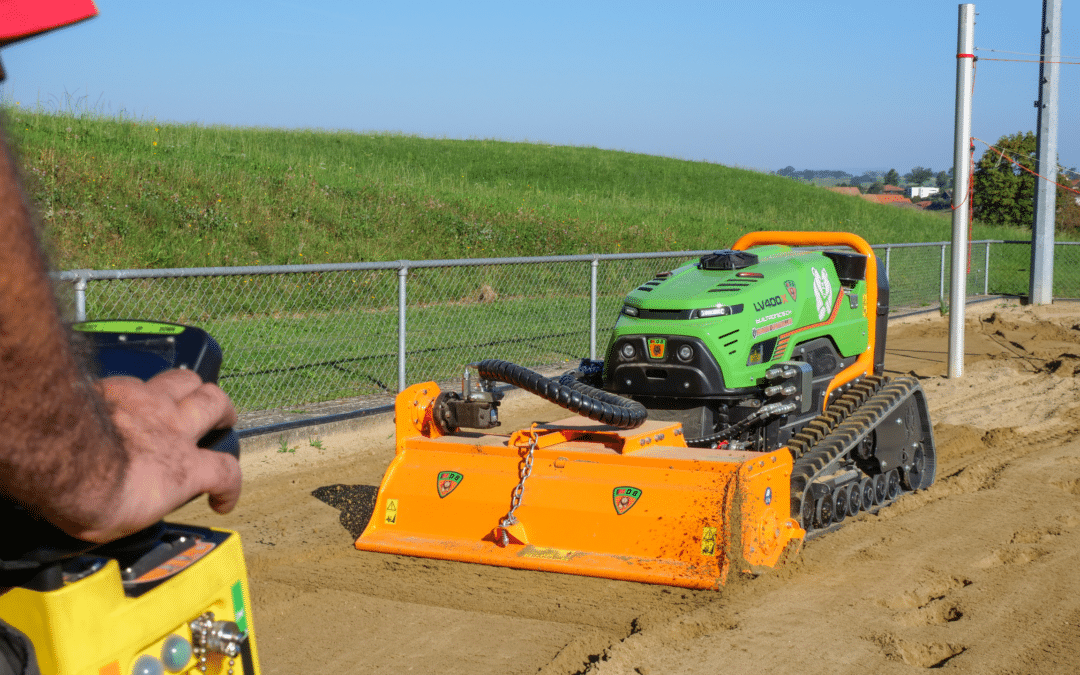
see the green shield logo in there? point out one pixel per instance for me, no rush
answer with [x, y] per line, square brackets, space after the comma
[447, 482]
[624, 498]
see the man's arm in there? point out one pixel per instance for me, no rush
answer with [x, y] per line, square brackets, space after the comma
[98, 459]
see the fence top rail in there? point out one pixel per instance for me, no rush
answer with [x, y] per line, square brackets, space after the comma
[1024, 241]
[95, 275]
[249, 270]
[939, 243]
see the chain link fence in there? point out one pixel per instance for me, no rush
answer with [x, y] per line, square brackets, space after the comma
[299, 335]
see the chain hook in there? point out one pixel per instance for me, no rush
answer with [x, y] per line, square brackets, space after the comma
[524, 471]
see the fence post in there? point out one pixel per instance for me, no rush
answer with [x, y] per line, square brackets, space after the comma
[80, 298]
[592, 308]
[941, 284]
[888, 260]
[403, 273]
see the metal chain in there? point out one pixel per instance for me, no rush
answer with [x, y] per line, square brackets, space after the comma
[524, 471]
[200, 628]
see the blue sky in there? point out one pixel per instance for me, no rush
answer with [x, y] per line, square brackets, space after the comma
[825, 84]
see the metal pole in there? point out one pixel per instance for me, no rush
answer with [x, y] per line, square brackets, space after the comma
[986, 271]
[1042, 229]
[888, 261]
[592, 310]
[941, 279]
[965, 77]
[402, 273]
[80, 299]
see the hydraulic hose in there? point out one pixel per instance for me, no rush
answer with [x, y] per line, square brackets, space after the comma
[575, 396]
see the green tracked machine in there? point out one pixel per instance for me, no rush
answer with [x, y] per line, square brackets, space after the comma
[774, 344]
[741, 407]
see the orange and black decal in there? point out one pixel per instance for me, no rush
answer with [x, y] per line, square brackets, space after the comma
[178, 562]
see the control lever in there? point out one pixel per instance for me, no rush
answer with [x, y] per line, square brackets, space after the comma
[136, 348]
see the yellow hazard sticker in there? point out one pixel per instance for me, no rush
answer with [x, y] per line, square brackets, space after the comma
[708, 541]
[545, 553]
[391, 512]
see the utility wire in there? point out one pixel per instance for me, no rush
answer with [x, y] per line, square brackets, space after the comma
[1002, 51]
[1061, 169]
[1073, 60]
[1063, 63]
[1033, 173]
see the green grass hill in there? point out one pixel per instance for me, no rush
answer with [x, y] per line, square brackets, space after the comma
[123, 193]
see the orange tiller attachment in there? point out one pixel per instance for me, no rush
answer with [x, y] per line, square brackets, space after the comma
[636, 505]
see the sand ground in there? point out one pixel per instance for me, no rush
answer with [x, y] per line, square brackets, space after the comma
[978, 574]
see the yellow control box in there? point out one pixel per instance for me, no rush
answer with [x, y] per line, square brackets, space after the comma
[179, 606]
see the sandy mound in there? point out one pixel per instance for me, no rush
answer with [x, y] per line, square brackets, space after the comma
[976, 574]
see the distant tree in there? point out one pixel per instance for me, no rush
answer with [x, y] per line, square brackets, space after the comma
[786, 171]
[943, 180]
[1068, 211]
[940, 202]
[1004, 193]
[892, 177]
[921, 174]
[877, 188]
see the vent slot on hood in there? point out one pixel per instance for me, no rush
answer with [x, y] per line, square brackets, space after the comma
[732, 286]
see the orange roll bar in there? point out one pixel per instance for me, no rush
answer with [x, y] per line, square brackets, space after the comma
[864, 364]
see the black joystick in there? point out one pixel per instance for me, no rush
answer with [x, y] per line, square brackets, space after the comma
[33, 557]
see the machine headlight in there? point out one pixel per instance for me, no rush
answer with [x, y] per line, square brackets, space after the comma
[685, 353]
[718, 310]
[629, 310]
[628, 351]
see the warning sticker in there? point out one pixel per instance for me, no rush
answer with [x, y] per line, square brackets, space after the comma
[545, 553]
[391, 512]
[708, 541]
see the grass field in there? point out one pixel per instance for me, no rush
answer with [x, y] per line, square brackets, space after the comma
[123, 193]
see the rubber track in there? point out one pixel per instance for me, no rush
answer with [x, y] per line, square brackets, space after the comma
[849, 419]
[576, 397]
[822, 425]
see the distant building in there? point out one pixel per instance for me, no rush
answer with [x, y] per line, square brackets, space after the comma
[922, 192]
[892, 189]
[853, 191]
[887, 199]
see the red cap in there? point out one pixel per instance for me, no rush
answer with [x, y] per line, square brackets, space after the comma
[21, 19]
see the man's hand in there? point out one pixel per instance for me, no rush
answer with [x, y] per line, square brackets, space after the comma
[159, 423]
